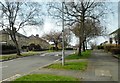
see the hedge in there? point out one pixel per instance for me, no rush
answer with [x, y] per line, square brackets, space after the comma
[7, 49]
[115, 50]
[100, 47]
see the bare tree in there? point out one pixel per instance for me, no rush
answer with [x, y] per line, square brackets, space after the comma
[56, 37]
[78, 12]
[15, 15]
[53, 37]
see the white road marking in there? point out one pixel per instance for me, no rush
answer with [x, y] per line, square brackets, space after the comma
[11, 60]
[56, 55]
[3, 67]
[42, 55]
[12, 78]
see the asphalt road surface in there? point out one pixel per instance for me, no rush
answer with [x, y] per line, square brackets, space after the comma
[26, 65]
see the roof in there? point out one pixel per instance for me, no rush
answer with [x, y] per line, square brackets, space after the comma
[115, 31]
[18, 34]
[36, 37]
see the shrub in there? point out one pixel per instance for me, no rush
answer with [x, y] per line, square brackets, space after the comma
[52, 48]
[37, 48]
[69, 48]
[24, 47]
[109, 47]
[100, 47]
[7, 49]
[34, 47]
[115, 50]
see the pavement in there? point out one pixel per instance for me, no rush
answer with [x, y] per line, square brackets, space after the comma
[102, 67]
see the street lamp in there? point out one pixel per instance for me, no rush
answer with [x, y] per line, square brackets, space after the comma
[63, 39]
[63, 50]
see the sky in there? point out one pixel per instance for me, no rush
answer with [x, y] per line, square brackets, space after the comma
[111, 23]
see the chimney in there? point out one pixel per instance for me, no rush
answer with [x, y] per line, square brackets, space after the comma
[37, 35]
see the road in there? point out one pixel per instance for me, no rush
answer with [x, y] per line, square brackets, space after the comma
[26, 65]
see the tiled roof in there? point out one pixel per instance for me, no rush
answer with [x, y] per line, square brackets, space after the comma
[18, 34]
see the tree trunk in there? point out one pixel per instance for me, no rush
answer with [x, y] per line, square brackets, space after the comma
[83, 46]
[17, 48]
[86, 44]
[13, 37]
[80, 46]
[56, 48]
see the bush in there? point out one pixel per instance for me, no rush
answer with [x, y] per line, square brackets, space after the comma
[7, 49]
[24, 47]
[100, 47]
[69, 48]
[108, 47]
[115, 50]
[37, 48]
[52, 48]
[33, 47]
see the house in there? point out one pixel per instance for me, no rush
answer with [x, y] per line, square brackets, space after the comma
[115, 37]
[37, 40]
[6, 39]
[23, 40]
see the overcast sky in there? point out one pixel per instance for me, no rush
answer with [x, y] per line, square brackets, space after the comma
[111, 22]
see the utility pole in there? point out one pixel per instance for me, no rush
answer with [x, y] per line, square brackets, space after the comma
[63, 50]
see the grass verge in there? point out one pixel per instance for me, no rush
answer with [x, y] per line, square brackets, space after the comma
[85, 55]
[70, 66]
[44, 77]
[13, 56]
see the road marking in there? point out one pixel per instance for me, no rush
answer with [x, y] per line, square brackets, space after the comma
[11, 60]
[3, 67]
[42, 55]
[56, 55]
[11, 78]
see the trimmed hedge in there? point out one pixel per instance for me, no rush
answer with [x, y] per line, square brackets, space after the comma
[115, 50]
[108, 47]
[100, 47]
[7, 49]
[69, 49]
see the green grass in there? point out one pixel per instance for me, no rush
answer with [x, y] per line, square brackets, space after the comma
[13, 56]
[85, 55]
[45, 77]
[70, 66]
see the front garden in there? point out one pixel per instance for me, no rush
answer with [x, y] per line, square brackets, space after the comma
[113, 48]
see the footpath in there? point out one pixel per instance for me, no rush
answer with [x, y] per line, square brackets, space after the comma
[102, 67]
